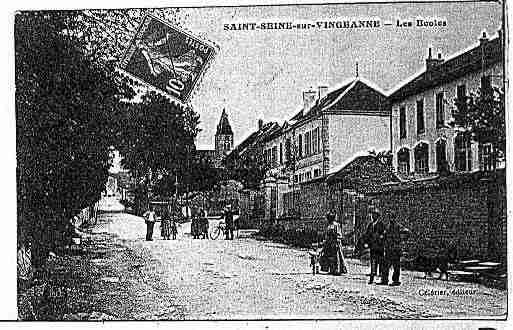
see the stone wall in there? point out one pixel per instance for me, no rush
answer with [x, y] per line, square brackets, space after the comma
[314, 200]
[468, 215]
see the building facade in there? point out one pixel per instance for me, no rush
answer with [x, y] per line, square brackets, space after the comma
[324, 135]
[424, 141]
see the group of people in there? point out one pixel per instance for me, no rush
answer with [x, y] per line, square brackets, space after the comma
[168, 223]
[382, 238]
[199, 225]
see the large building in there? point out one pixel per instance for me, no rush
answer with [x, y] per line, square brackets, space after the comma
[424, 143]
[330, 129]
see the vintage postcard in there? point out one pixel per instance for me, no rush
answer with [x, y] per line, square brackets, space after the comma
[332, 161]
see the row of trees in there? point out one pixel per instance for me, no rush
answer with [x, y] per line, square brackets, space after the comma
[72, 107]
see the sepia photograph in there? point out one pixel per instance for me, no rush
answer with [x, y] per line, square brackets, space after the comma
[291, 161]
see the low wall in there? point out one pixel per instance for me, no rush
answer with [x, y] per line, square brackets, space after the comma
[466, 213]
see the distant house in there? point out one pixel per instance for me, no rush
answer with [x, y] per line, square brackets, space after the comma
[242, 163]
[423, 142]
[248, 153]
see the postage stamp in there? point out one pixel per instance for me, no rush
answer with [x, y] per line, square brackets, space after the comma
[167, 57]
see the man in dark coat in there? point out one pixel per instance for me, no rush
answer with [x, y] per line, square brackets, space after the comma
[228, 220]
[393, 251]
[374, 239]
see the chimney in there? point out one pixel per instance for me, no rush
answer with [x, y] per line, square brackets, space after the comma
[309, 98]
[323, 90]
[431, 62]
[484, 39]
[260, 124]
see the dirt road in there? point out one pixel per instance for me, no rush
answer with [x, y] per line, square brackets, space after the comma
[251, 279]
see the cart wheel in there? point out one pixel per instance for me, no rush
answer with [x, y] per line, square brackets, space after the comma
[215, 233]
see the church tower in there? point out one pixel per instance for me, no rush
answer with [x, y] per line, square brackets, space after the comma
[224, 136]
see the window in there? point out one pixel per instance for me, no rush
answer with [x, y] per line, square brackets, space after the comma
[314, 141]
[300, 146]
[307, 144]
[462, 153]
[441, 157]
[317, 140]
[274, 160]
[486, 156]
[461, 92]
[402, 122]
[288, 151]
[421, 158]
[485, 83]
[317, 173]
[295, 178]
[420, 117]
[281, 153]
[403, 161]
[461, 98]
[308, 176]
[440, 112]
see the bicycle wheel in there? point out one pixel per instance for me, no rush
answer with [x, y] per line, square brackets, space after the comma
[216, 233]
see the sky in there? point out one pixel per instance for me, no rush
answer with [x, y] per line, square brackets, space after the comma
[262, 73]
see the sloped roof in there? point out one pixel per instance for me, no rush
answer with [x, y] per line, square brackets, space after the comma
[363, 173]
[254, 138]
[452, 69]
[224, 127]
[356, 97]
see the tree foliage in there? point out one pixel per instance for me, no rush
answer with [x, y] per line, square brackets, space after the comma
[482, 116]
[65, 104]
[156, 141]
[249, 169]
[155, 136]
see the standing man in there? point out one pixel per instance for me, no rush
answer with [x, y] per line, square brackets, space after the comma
[374, 239]
[150, 217]
[228, 220]
[204, 224]
[393, 252]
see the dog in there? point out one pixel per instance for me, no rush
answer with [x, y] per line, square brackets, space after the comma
[430, 264]
[438, 261]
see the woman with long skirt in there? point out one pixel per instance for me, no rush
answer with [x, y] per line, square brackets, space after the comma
[332, 259]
